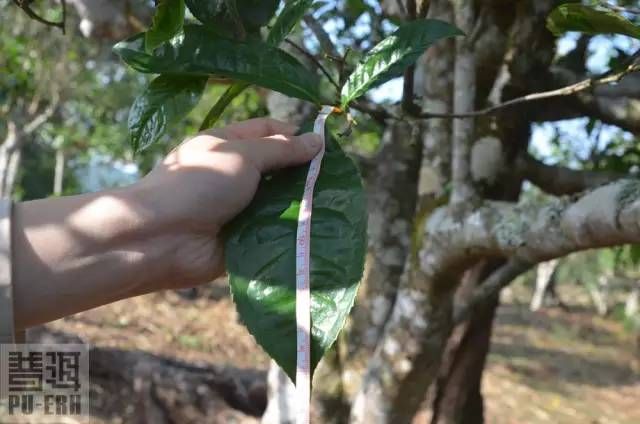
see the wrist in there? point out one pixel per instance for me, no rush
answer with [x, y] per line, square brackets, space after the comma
[185, 251]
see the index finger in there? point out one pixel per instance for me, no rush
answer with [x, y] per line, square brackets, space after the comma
[257, 128]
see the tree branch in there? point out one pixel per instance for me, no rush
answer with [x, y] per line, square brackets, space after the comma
[321, 35]
[423, 8]
[408, 86]
[490, 288]
[379, 114]
[534, 232]
[42, 117]
[569, 90]
[25, 6]
[593, 105]
[623, 9]
[314, 60]
[463, 101]
[560, 180]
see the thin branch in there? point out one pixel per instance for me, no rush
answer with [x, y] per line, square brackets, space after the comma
[464, 95]
[412, 9]
[321, 35]
[408, 89]
[25, 6]
[423, 8]
[623, 9]
[313, 59]
[490, 288]
[376, 112]
[589, 83]
[42, 117]
[569, 90]
[401, 8]
[559, 180]
[408, 86]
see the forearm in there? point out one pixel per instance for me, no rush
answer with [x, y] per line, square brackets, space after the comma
[75, 253]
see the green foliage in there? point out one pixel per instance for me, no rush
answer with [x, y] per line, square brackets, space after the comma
[35, 178]
[392, 55]
[167, 22]
[222, 15]
[196, 51]
[167, 99]
[590, 20]
[287, 19]
[260, 246]
[218, 108]
[260, 256]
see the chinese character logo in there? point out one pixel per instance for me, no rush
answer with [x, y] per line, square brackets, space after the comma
[47, 381]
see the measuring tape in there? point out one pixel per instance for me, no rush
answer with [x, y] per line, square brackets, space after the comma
[303, 292]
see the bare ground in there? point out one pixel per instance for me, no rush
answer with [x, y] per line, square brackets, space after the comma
[551, 366]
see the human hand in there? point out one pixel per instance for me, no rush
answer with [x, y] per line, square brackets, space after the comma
[74, 253]
[209, 179]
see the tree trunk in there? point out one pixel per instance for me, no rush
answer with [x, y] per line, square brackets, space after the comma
[281, 395]
[58, 176]
[545, 275]
[632, 304]
[598, 293]
[458, 398]
[165, 390]
[10, 156]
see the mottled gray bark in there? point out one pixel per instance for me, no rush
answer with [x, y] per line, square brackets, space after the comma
[407, 357]
[463, 102]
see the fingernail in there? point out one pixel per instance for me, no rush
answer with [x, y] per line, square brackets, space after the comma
[312, 141]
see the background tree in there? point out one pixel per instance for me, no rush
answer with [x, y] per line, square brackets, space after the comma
[446, 231]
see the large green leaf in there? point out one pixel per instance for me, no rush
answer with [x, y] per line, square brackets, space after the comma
[291, 14]
[260, 256]
[253, 13]
[392, 55]
[196, 51]
[286, 20]
[167, 22]
[578, 17]
[166, 100]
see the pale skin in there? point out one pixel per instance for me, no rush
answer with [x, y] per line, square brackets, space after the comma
[75, 253]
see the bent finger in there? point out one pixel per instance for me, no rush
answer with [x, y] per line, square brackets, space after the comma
[255, 128]
[274, 152]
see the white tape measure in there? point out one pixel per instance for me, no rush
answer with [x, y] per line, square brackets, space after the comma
[303, 292]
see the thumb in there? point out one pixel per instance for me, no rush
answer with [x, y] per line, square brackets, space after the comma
[280, 151]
